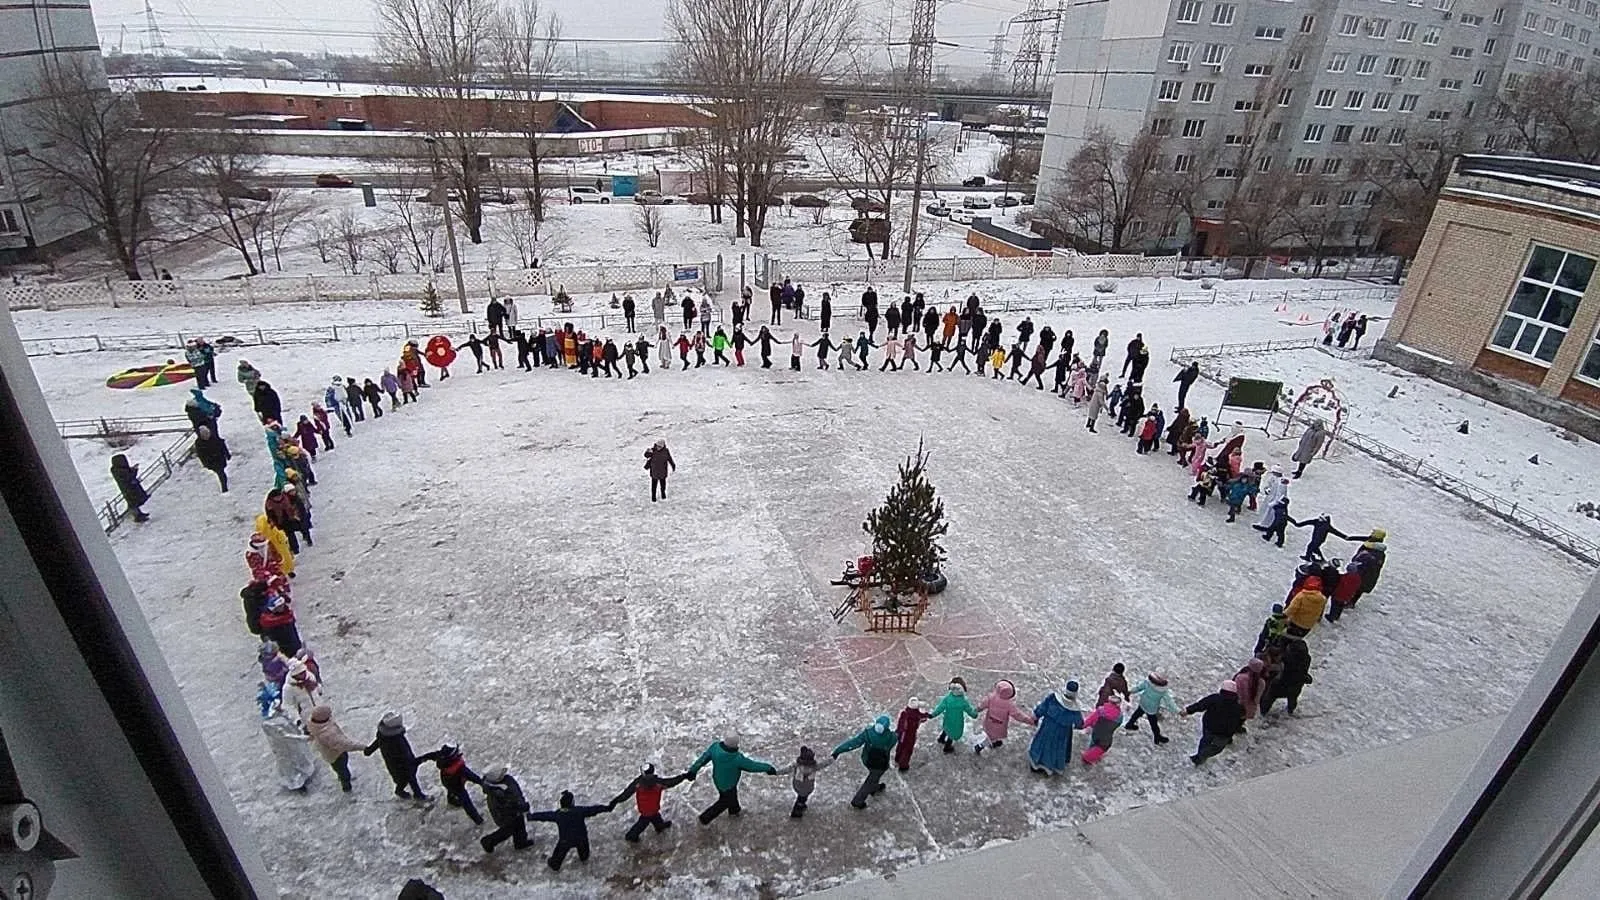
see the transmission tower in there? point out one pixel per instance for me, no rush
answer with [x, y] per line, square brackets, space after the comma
[158, 43]
[997, 55]
[1028, 64]
[919, 75]
[919, 65]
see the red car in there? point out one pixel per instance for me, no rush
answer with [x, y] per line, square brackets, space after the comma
[334, 181]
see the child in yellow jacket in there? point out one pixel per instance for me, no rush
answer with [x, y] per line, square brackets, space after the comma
[997, 359]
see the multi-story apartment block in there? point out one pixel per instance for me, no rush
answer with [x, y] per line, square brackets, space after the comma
[1303, 106]
[33, 34]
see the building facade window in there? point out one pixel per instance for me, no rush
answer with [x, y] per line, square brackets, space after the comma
[1338, 62]
[1182, 162]
[1478, 77]
[1189, 11]
[1397, 67]
[1332, 165]
[1369, 134]
[1449, 84]
[1367, 64]
[1349, 26]
[1408, 31]
[1302, 166]
[1214, 55]
[1274, 131]
[1341, 133]
[1269, 32]
[1325, 98]
[1381, 100]
[1460, 52]
[1488, 47]
[1308, 24]
[1222, 13]
[1378, 28]
[1202, 92]
[1161, 127]
[1284, 96]
[1521, 51]
[1257, 70]
[1314, 133]
[1430, 35]
[1264, 164]
[1194, 128]
[1170, 90]
[1246, 105]
[1180, 51]
[1355, 99]
[1397, 136]
[1408, 102]
[1422, 68]
[8, 222]
[1347, 198]
[1590, 370]
[1542, 304]
[1227, 172]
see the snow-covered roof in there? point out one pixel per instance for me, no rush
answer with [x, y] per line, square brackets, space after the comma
[345, 89]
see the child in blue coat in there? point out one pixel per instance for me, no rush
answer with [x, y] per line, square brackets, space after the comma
[1059, 717]
[1238, 491]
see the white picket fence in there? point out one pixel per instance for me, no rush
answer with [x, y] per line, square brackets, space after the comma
[267, 289]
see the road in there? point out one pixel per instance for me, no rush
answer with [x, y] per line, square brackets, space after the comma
[802, 184]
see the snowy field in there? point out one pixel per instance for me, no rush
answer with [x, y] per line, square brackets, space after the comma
[488, 563]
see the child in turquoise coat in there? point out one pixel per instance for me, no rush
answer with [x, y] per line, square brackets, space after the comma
[952, 708]
[1154, 699]
[1058, 717]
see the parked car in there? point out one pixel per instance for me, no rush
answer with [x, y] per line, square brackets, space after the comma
[937, 208]
[809, 201]
[233, 190]
[699, 198]
[334, 181]
[653, 198]
[961, 216]
[586, 194]
[1027, 199]
[496, 195]
[453, 195]
[974, 181]
[1006, 201]
[866, 204]
[976, 203]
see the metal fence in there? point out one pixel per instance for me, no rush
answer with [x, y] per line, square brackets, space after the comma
[1231, 267]
[1508, 511]
[965, 268]
[251, 336]
[266, 289]
[110, 429]
[850, 309]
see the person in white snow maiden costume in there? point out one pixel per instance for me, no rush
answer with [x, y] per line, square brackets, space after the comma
[953, 711]
[876, 742]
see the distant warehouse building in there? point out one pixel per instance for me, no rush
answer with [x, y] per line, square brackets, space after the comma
[1503, 299]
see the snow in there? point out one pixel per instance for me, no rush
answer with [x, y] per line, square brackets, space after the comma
[487, 563]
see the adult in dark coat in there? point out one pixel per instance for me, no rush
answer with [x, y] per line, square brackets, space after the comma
[1141, 362]
[908, 318]
[1025, 331]
[1296, 675]
[930, 325]
[657, 460]
[508, 808]
[267, 404]
[374, 395]
[869, 311]
[572, 827]
[496, 314]
[891, 318]
[980, 321]
[765, 339]
[1223, 717]
[254, 596]
[1371, 557]
[688, 313]
[775, 294]
[1116, 683]
[1132, 409]
[1180, 423]
[1047, 339]
[628, 311]
[1134, 346]
[1185, 380]
[825, 311]
[454, 775]
[212, 451]
[398, 757]
[126, 475]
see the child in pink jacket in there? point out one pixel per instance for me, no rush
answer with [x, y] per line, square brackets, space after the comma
[1102, 725]
[999, 709]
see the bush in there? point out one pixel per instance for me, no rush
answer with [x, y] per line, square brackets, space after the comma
[431, 304]
[1108, 286]
[1207, 284]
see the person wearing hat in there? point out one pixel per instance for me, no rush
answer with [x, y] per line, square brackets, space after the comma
[572, 828]
[1250, 685]
[333, 745]
[1273, 628]
[213, 453]
[727, 766]
[999, 711]
[1306, 606]
[398, 756]
[954, 710]
[905, 732]
[1154, 698]
[454, 775]
[646, 790]
[301, 691]
[1294, 676]
[1058, 717]
[657, 460]
[875, 741]
[804, 771]
[1370, 559]
[1221, 719]
[507, 807]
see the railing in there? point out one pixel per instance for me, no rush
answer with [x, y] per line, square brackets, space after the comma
[264, 289]
[152, 474]
[849, 307]
[105, 428]
[250, 336]
[1508, 511]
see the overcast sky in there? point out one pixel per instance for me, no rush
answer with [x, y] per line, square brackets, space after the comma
[313, 25]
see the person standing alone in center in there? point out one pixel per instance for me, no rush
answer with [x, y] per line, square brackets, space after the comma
[657, 460]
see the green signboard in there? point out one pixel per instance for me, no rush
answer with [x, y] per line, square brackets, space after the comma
[1253, 393]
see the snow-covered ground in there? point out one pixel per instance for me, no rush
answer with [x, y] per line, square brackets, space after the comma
[488, 563]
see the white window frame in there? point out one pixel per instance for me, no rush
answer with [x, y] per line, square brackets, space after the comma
[1192, 8]
[1223, 14]
[1536, 320]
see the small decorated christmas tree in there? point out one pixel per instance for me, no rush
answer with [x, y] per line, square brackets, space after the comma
[906, 530]
[431, 304]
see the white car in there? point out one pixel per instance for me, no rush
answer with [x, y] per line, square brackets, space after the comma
[581, 194]
[961, 216]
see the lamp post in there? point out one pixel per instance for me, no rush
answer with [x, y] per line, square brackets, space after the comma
[442, 197]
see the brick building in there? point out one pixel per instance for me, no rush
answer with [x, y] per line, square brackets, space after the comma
[1503, 299]
[203, 101]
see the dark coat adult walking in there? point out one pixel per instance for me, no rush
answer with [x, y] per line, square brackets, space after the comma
[1311, 442]
[1025, 331]
[765, 339]
[930, 326]
[398, 757]
[213, 453]
[1185, 379]
[267, 404]
[1294, 676]
[1134, 346]
[628, 310]
[1222, 716]
[891, 318]
[508, 809]
[869, 311]
[688, 313]
[775, 294]
[126, 475]
[495, 313]
[1141, 362]
[374, 395]
[825, 311]
[657, 461]
[980, 322]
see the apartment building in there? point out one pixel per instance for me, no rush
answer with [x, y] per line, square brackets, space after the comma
[1332, 92]
[32, 34]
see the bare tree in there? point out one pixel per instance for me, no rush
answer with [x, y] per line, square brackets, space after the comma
[1556, 114]
[1259, 211]
[525, 235]
[525, 48]
[323, 237]
[647, 218]
[284, 215]
[758, 64]
[389, 247]
[104, 163]
[1409, 175]
[1108, 185]
[409, 213]
[350, 238]
[217, 203]
[439, 49]
[709, 157]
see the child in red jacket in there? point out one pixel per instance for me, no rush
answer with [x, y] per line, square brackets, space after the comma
[647, 790]
[905, 729]
[1345, 591]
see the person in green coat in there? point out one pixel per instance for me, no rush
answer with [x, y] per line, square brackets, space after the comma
[952, 708]
[876, 741]
[719, 347]
[727, 765]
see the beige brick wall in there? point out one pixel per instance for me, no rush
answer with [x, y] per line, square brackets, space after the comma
[1466, 267]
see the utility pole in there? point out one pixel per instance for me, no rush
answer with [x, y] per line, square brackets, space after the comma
[919, 73]
[441, 196]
